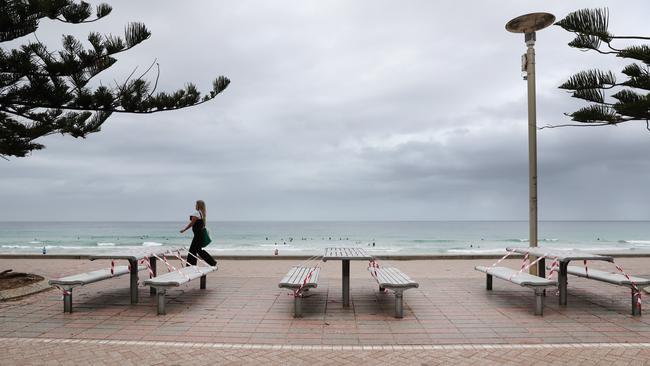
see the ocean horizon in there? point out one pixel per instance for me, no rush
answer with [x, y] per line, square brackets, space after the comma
[311, 237]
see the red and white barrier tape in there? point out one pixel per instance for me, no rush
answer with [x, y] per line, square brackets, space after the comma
[374, 265]
[147, 264]
[298, 292]
[523, 262]
[177, 254]
[555, 266]
[170, 266]
[63, 291]
[524, 268]
[508, 253]
[180, 258]
[634, 286]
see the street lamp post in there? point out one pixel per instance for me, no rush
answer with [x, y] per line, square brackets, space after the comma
[529, 24]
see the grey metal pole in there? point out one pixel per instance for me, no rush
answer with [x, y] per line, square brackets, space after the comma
[152, 264]
[134, 280]
[532, 143]
[345, 265]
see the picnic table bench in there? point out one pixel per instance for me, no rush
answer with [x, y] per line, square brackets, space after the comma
[396, 280]
[615, 279]
[520, 278]
[69, 282]
[300, 279]
[176, 278]
[563, 257]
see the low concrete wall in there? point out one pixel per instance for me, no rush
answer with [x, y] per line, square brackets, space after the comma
[401, 257]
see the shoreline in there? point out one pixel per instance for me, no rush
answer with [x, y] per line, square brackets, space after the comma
[260, 256]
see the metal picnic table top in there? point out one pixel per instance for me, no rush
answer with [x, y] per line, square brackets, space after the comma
[346, 254]
[561, 255]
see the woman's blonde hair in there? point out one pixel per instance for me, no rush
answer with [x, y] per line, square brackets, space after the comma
[200, 205]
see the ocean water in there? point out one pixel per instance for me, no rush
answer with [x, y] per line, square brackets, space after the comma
[386, 237]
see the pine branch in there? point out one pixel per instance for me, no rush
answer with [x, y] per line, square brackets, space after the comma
[590, 79]
[638, 52]
[577, 125]
[591, 29]
[44, 93]
[588, 22]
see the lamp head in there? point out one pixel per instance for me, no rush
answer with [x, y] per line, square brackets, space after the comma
[529, 23]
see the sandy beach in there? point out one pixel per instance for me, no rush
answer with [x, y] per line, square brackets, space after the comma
[243, 307]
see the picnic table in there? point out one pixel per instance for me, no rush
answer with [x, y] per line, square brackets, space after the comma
[563, 257]
[345, 255]
[134, 255]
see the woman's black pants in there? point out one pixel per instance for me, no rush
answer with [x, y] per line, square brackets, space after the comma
[196, 249]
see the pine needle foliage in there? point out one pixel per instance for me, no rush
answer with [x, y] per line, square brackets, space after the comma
[44, 92]
[610, 102]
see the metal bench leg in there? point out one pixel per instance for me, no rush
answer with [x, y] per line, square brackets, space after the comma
[202, 283]
[539, 301]
[134, 281]
[345, 267]
[297, 306]
[541, 271]
[160, 294]
[562, 282]
[152, 264]
[67, 301]
[399, 309]
[488, 282]
[636, 309]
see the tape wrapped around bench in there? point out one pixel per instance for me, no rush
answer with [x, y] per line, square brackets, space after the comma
[295, 278]
[90, 277]
[175, 278]
[512, 275]
[391, 277]
[609, 277]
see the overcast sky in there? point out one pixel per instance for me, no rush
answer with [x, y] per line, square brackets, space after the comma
[341, 110]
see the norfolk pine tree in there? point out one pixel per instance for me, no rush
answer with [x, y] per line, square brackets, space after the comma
[44, 92]
[610, 102]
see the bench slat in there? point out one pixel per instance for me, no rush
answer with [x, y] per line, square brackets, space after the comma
[296, 276]
[175, 278]
[391, 277]
[299, 275]
[522, 279]
[90, 277]
[609, 277]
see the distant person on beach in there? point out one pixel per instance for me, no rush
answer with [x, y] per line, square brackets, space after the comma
[197, 223]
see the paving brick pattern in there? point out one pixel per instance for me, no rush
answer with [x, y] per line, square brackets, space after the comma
[20, 351]
[243, 306]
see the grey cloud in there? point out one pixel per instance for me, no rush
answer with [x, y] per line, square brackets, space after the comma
[340, 110]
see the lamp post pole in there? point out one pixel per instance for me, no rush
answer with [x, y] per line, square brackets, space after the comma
[532, 143]
[529, 24]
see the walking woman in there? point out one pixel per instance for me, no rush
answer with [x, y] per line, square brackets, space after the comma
[197, 223]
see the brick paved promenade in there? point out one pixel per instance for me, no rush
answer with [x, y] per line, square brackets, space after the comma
[243, 318]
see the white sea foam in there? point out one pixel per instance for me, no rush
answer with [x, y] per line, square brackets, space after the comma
[476, 251]
[35, 242]
[64, 247]
[642, 242]
[16, 246]
[151, 244]
[105, 244]
[386, 250]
